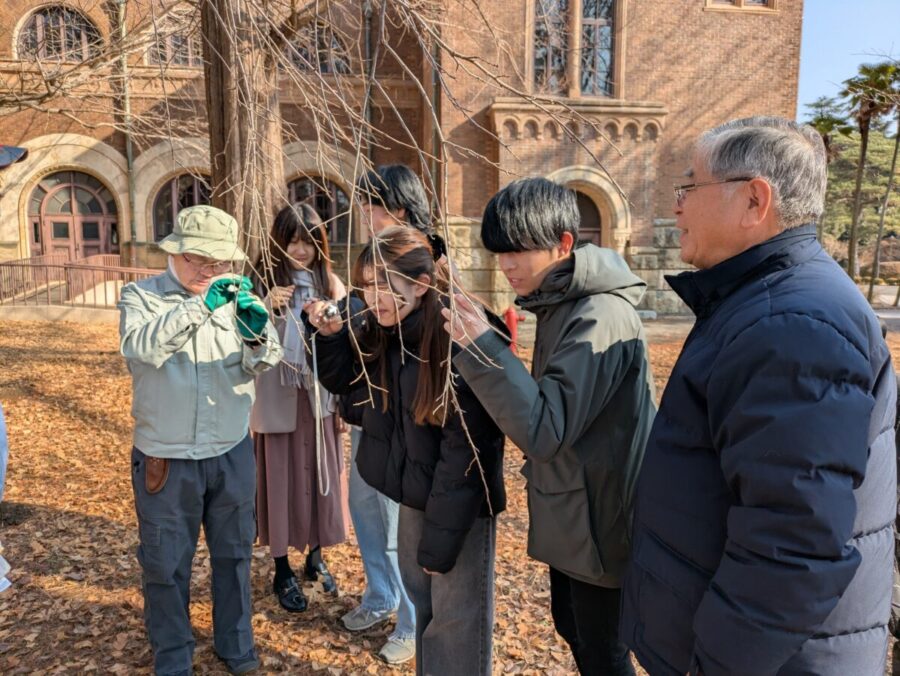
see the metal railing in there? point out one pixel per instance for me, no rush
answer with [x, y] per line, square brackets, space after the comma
[95, 281]
[21, 278]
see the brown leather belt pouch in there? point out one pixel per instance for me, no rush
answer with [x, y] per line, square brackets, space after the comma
[156, 472]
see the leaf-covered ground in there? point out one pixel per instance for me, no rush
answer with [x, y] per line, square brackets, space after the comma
[68, 528]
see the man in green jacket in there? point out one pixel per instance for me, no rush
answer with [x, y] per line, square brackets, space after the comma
[194, 338]
[581, 417]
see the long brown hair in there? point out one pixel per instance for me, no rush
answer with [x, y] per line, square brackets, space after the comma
[407, 252]
[293, 222]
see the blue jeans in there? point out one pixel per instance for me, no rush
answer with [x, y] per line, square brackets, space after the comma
[375, 518]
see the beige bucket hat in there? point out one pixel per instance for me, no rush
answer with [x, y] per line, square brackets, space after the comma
[205, 231]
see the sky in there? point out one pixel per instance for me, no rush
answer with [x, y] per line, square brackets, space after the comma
[838, 35]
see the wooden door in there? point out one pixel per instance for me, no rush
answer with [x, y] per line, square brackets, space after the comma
[89, 239]
[73, 213]
[59, 236]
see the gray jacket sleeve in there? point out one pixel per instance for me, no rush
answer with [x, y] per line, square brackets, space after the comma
[546, 415]
[151, 338]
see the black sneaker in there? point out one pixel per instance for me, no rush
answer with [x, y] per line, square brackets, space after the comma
[289, 594]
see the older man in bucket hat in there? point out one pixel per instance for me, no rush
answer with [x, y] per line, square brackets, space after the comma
[194, 338]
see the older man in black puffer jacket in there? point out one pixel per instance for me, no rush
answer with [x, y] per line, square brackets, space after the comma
[763, 537]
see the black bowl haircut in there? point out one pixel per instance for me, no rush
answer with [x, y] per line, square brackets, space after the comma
[528, 215]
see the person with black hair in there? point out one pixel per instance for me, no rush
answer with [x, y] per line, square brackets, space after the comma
[583, 415]
[300, 499]
[440, 457]
[392, 195]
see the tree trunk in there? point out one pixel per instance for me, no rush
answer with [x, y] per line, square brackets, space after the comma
[245, 128]
[852, 258]
[884, 207]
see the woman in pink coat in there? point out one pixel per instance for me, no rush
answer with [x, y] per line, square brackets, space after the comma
[301, 497]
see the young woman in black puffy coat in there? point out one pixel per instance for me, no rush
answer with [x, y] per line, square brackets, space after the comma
[439, 456]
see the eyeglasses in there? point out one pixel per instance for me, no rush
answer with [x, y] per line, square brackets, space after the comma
[218, 266]
[681, 191]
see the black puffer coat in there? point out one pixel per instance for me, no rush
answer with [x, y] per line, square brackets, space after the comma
[763, 527]
[425, 467]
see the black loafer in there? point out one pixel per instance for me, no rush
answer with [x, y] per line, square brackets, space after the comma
[290, 596]
[320, 572]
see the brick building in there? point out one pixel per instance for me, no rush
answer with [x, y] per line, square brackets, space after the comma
[627, 82]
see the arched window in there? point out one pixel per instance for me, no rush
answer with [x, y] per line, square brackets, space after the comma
[72, 212]
[591, 226]
[178, 48]
[178, 193]
[330, 202]
[316, 47]
[590, 70]
[58, 33]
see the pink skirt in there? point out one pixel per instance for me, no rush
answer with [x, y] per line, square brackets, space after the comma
[290, 508]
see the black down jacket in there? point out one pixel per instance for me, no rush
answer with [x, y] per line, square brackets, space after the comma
[425, 467]
[763, 526]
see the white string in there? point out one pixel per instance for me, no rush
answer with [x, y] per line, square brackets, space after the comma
[320, 426]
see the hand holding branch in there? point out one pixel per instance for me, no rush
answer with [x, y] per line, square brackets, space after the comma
[279, 296]
[466, 321]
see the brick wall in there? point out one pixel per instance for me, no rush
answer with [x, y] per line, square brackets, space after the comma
[686, 68]
[709, 67]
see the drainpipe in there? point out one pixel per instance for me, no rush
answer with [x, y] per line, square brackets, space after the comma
[367, 113]
[129, 150]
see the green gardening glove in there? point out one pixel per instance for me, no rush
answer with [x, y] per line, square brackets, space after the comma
[224, 290]
[251, 316]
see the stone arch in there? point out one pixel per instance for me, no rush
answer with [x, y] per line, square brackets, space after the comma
[651, 131]
[632, 131]
[305, 158]
[551, 130]
[510, 129]
[612, 205]
[309, 157]
[573, 131]
[52, 153]
[531, 130]
[158, 165]
[611, 130]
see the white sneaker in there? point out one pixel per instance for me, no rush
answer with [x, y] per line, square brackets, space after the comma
[398, 650]
[362, 618]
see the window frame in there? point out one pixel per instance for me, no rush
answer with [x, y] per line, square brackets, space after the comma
[565, 48]
[770, 7]
[172, 185]
[573, 65]
[596, 24]
[88, 49]
[336, 53]
[194, 45]
[319, 182]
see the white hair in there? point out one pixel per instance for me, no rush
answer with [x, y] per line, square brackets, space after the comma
[789, 156]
